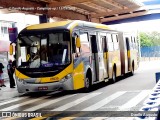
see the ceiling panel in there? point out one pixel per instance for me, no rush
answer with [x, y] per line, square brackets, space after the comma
[83, 9]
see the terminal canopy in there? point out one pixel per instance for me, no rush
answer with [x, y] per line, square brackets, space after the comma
[88, 10]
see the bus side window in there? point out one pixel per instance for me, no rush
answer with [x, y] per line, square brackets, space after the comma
[85, 48]
[94, 43]
[135, 44]
[75, 50]
[104, 44]
[110, 42]
[115, 41]
[73, 45]
[132, 43]
[127, 43]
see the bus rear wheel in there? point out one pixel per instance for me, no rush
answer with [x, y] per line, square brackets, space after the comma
[113, 80]
[132, 70]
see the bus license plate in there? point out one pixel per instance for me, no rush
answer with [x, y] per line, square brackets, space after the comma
[43, 88]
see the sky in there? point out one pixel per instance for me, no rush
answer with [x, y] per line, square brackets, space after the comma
[144, 26]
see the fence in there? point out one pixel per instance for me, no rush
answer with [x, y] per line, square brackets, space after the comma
[153, 51]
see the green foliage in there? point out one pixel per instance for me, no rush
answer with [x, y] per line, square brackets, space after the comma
[150, 39]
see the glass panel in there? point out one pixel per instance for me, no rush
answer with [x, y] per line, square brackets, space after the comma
[109, 38]
[84, 43]
[110, 42]
[41, 50]
[104, 44]
[59, 50]
[94, 45]
[114, 36]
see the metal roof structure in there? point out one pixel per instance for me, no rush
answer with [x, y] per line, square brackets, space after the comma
[88, 10]
[152, 12]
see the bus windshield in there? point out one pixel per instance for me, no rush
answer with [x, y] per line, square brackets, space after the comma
[43, 50]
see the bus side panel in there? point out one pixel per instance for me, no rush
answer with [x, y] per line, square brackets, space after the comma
[136, 62]
[132, 52]
[105, 59]
[136, 59]
[114, 59]
[117, 62]
[131, 59]
[134, 55]
[110, 67]
[126, 62]
[78, 76]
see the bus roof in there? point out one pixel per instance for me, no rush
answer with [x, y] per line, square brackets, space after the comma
[69, 24]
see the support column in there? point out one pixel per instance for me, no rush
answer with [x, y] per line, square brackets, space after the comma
[95, 20]
[43, 19]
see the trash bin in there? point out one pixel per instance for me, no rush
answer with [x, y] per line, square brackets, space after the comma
[157, 76]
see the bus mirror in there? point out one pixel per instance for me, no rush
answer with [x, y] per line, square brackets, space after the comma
[11, 49]
[78, 42]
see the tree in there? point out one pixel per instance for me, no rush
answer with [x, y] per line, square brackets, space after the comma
[145, 40]
[150, 39]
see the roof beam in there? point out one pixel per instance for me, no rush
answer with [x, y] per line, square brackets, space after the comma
[124, 16]
[113, 3]
[67, 2]
[87, 8]
[20, 5]
[98, 9]
[114, 12]
[67, 15]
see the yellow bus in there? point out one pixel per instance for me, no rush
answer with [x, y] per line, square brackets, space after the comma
[70, 55]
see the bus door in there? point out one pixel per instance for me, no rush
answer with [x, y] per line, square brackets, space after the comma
[104, 50]
[96, 58]
[128, 51]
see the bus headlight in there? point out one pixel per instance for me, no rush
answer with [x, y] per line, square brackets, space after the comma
[20, 80]
[66, 78]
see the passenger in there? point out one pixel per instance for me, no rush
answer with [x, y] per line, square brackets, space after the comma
[10, 74]
[13, 68]
[35, 59]
[14, 63]
[1, 76]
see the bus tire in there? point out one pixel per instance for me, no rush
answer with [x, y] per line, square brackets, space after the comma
[87, 87]
[113, 80]
[132, 70]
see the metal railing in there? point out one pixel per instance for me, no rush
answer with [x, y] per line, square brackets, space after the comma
[151, 108]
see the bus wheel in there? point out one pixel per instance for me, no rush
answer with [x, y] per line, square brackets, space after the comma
[132, 70]
[87, 84]
[113, 76]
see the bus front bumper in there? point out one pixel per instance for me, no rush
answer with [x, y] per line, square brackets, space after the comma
[24, 86]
